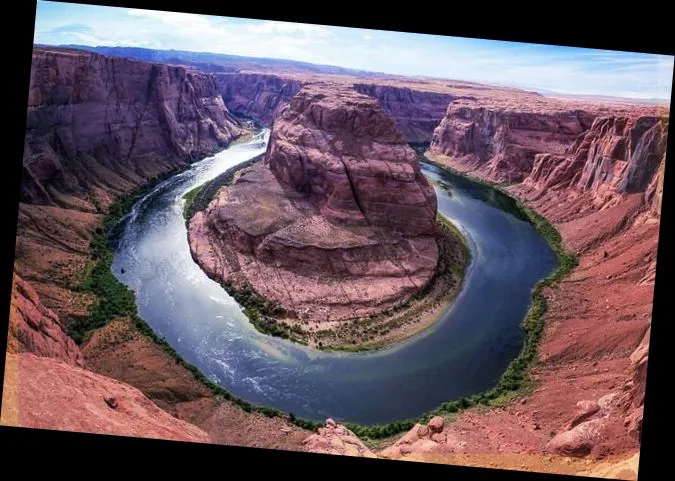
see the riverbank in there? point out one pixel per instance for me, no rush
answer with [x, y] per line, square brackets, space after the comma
[113, 325]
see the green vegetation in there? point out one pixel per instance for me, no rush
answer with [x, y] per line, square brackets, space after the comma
[114, 299]
[458, 268]
[200, 197]
[189, 198]
[261, 312]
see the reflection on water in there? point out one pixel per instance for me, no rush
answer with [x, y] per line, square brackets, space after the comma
[465, 352]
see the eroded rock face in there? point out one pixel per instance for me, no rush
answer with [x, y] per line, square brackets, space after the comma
[416, 112]
[587, 428]
[618, 155]
[503, 141]
[47, 393]
[342, 149]
[633, 399]
[256, 95]
[35, 329]
[97, 123]
[337, 222]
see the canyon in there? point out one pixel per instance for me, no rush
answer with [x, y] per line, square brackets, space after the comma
[99, 127]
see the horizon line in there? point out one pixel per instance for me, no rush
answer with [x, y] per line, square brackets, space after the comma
[540, 91]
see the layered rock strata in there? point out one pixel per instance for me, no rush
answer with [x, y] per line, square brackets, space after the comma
[602, 193]
[257, 96]
[98, 127]
[416, 112]
[96, 124]
[36, 329]
[503, 140]
[337, 222]
[618, 155]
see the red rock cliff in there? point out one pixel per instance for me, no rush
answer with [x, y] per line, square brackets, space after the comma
[502, 140]
[97, 123]
[98, 127]
[256, 95]
[618, 155]
[416, 112]
[36, 329]
[337, 222]
[46, 393]
[46, 386]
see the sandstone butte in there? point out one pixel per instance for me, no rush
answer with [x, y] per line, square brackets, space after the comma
[337, 222]
[595, 170]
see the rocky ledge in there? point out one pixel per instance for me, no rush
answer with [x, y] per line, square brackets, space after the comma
[337, 222]
[56, 395]
[98, 126]
[502, 140]
[617, 156]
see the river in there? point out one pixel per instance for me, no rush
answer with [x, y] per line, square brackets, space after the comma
[464, 353]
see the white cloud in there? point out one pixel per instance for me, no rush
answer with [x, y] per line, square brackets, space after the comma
[182, 23]
[274, 27]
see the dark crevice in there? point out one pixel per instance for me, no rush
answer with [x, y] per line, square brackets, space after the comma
[354, 193]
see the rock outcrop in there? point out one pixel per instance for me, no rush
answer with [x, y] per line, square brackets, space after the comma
[35, 329]
[427, 438]
[47, 393]
[502, 141]
[586, 429]
[257, 96]
[337, 222]
[617, 155]
[416, 112]
[632, 402]
[336, 439]
[98, 125]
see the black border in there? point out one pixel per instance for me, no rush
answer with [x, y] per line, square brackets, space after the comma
[610, 27]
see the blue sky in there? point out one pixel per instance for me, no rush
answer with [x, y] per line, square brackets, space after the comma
[540, 67]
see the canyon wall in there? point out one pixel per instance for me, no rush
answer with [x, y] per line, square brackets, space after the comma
[256, 95]
[503, 140]
[97, 125]
[416, 112]
[339, 212]
[261, 97]
[602, 192]
[617, 155]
